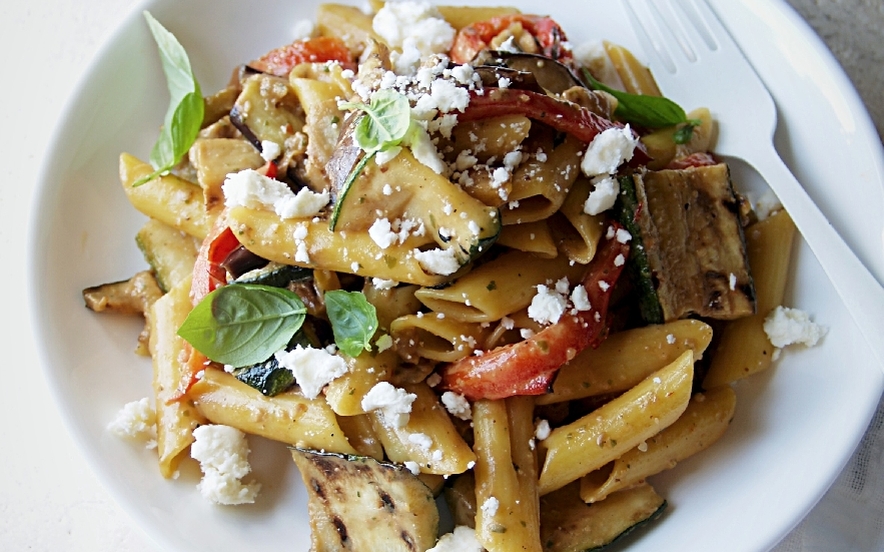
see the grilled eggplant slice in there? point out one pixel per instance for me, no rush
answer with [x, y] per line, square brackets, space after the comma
[689, 223]
[358, 503]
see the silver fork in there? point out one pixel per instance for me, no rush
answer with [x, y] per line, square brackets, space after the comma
[686, 42]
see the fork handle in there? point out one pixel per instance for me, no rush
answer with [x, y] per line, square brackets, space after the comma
[861, 292]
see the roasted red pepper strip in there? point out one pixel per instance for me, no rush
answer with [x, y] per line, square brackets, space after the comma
[474, 38]
[696, 159]
[529, 367]
[195, 365]
[208, 274]
[563, 116]
[280, 61]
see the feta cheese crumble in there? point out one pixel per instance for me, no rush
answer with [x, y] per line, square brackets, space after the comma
[457, 405]
[223, 452]
[541, 430]
[313, 368]
[786, 326]
[136, 421]
[608, 150]
[417, 29]
[547, 305]
[249, 188]
[462, 539]
[393, 402]
[490, 506]
[438, 261]
[603, 196]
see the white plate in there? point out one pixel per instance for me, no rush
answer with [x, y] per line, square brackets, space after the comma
[795, 426]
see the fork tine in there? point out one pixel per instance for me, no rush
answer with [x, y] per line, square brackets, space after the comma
[650, 36]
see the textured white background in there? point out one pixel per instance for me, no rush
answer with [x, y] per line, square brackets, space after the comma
[49, 500]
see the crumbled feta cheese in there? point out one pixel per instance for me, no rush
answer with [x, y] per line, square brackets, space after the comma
[137, 421]
[603, 196]
[547, 305]
[541, 430]
[393, 402]
[580, 299]
[424, 150]
[383, 157]
[313, 368]
[383, 284]
[422, 440]
[786, 326]
[490, 506]
[623, 235]
[223, 452]
[608, 150]
[438, 261]
[413, 467]
[462, 539]
[416, 28]
[767, 204]
[270, 150]
[457, 405]
[249, 188]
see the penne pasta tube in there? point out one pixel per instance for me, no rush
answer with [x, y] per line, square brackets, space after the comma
[429, 438]
[169, 199]
[288, 417]
[435, 336]
[497, 288]
[344, 394]
[176, 419]
[352, 252]
[540, 188]
[589, 443]
[567, 524]
[577, 232]
[532, 237]
[744, 348]
[625, 358]
[361, 436]
[705, 420]
[501, 517]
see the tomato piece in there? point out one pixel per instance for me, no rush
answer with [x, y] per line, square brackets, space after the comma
[563, 116]
[696, 159]
[474, 38]
[529, 367]
[208, 274]
[280, 61]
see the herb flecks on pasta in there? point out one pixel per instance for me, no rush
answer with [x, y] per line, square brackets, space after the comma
[437, 250]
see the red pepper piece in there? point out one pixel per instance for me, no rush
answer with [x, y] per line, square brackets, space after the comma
[529, 367]
[208, 274]
[474, 38]
[696, 159]
[563, 116]
[280, 61]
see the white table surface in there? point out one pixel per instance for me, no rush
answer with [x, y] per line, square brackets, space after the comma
[49, 498]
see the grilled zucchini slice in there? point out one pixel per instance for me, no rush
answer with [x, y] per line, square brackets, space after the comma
[358, 503]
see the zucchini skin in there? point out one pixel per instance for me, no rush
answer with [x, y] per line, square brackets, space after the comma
[638, 269]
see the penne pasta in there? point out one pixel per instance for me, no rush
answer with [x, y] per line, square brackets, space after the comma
[744, 348]
[288, 417]
[429, 439]
[703, 422]
[589, 443]
[498, 288]
[626, 358]
[505, 515]
[176, 419]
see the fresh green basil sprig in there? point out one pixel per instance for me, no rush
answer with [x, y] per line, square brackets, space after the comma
[648, 111]
[186, 106]
[243, 324]
[353, 319]
[384, 124]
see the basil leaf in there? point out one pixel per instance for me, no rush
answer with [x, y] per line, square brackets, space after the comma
[243, 324]
[186, 106]
[684, 133]
[646, 111]
[353, 319]
[385, 123]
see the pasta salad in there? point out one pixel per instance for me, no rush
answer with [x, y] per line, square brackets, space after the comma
[450, 260]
